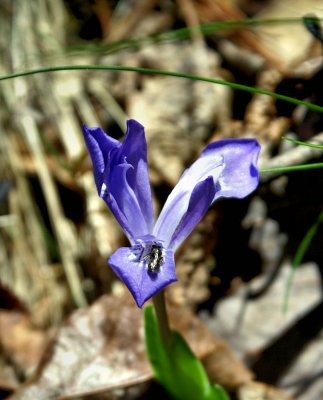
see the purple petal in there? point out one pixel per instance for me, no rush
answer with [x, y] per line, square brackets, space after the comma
[200, 200]
[124, 204]
[232, 165]
[142, 283]
[177, 203]
[134, 150]
[121, 177]
[99, 145]
[240, 175]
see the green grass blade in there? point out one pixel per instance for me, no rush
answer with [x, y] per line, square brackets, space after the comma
[178, 34]
[300, 167]
[299, 255]
[314, 145]
[236, 86]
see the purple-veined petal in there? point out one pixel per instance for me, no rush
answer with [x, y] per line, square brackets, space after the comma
[121, 177]
[134, 149]
[200, 200]
[211, 165]
[124, 204]
[240, 175]
[232, 165]
[99, 146]
[142, 283]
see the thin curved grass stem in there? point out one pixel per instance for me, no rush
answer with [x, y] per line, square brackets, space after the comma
[235, 86]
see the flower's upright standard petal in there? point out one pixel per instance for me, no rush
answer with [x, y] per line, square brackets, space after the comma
[232, 165]
[200, 200]
[124, 204]
[178, 201]
[121, 177]
[134, 273]
[134, 150]
[240, 175]
[99, 145]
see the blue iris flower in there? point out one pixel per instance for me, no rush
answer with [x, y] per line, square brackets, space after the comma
[226, 168]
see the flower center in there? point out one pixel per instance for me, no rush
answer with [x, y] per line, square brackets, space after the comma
[151, 252]
[154, 258]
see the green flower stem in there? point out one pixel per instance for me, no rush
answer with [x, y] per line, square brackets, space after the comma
[162, 317]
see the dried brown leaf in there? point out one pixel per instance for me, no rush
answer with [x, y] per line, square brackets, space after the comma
[101, 348]
[20, 341]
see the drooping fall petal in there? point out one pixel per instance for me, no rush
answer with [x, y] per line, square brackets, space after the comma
[134, 273]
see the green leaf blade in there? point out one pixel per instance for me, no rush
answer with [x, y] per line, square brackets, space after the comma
[176, 367]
